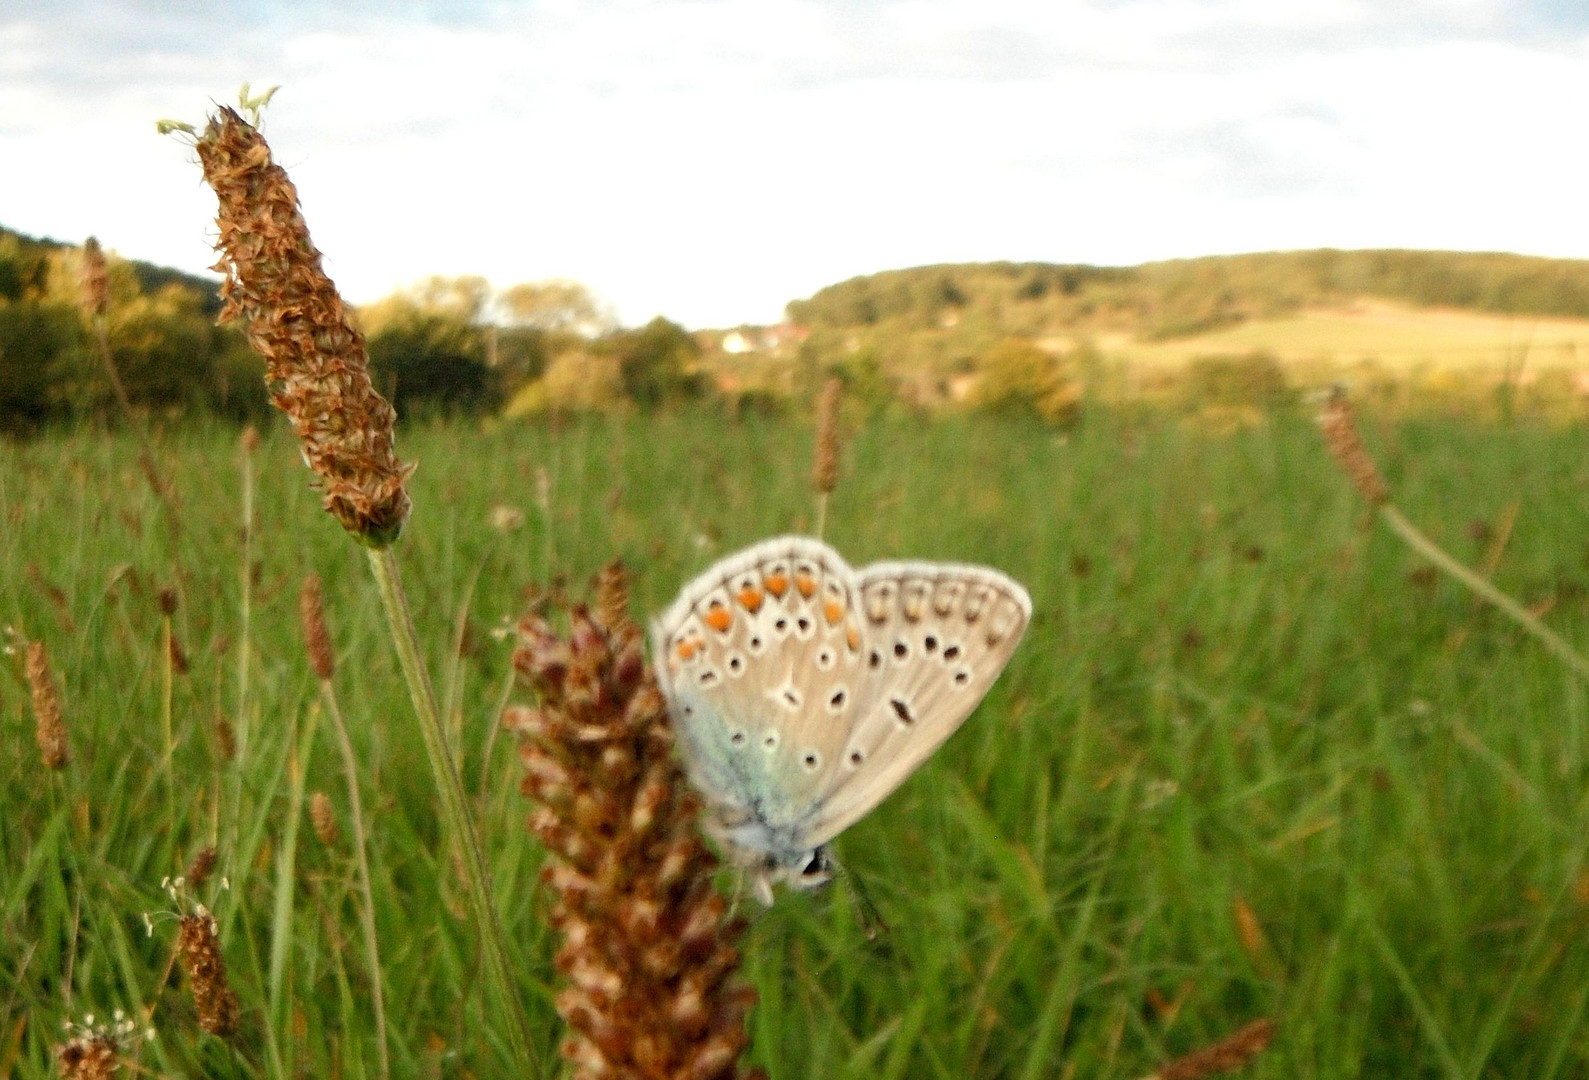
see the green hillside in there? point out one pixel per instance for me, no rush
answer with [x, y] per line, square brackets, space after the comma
[1188, 296]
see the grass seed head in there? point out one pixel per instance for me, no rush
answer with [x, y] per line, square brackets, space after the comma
[316, 639]
[96, 280]
[649, 949]
[1338, 422]
[200, 869]
[199, 951]
[324, 819]
[1226, 1056]
[49, 728]
[316, 365]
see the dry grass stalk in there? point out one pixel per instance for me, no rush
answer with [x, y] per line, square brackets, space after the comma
[825, 470]
[648, 947]
[324, 818]
[1338, 422]
[49, 728]
[316, 366]
[1226, 1056]
[316, 639]
[199, 951]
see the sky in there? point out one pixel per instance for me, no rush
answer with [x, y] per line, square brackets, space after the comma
[711, 160]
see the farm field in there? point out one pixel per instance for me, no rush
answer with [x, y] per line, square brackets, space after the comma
[1397, 337]
[1253, 760]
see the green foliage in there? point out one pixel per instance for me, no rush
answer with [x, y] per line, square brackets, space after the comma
[427, 361]
[656, 363]
[1016, 378]
[1234, 696]
[1255, 379]
[41, 350]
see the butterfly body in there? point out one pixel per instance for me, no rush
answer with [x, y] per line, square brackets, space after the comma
[804, 691]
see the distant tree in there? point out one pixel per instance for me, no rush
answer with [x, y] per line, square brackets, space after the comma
[1016, 378]
[39, 345]
[557, 306]
[656, 362]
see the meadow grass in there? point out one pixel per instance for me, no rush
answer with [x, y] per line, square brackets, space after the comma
[1249, 761]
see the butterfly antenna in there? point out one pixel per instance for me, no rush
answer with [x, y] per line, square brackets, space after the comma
[871, 919]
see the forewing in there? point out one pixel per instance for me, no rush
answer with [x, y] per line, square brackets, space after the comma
[761, 661]
[935, 637]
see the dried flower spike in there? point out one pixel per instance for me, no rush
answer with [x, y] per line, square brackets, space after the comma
[93, 1049]
[49, 729]
[648, 947]
[316, 366]
[96, 280]
[199, 951]
[825, 471]
[1226, 1056]
[324, 818]
[1338, 422]
[316, 639]
[200, 869]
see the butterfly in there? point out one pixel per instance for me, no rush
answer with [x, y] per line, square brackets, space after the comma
[804, 692]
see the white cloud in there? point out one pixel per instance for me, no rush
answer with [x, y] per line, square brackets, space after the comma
[712, 160]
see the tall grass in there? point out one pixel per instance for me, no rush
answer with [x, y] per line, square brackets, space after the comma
[1248, 762]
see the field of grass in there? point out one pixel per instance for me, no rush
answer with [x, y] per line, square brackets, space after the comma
[1396, 336]
[1249, 762]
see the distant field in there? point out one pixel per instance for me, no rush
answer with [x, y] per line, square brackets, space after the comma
[1251, 761]
[1395, 336]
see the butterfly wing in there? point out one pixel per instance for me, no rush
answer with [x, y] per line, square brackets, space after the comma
[761, 661]
[935, 638]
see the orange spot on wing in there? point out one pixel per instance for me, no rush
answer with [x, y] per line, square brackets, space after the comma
[778, 583]
[833, 610]
[852, 637]
[751, 597]
[718, 618]
[806, 584]
[686, 650]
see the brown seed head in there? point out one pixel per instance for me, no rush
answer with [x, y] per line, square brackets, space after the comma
[648, 947]
[1226, 1056]
[1338, 422]
[324, 819]
[200, 869]
[311, 612]
[199, 952]
[168, 601]
[612, 595]
[96, 280]
[316, 366]
[225, 738]
[49, 729]
[825, 471]
[89, 1057]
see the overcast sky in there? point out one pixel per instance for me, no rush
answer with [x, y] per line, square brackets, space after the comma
[712, 160]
